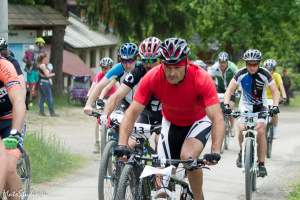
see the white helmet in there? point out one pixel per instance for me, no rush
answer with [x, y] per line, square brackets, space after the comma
[106, 62]
[252, 55]
[270, 64]
[223, 56]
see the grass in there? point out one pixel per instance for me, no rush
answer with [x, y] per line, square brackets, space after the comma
[49, 158]
[295, 102]
[295, 194]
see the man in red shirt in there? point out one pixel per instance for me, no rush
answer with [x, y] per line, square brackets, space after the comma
[190, 108]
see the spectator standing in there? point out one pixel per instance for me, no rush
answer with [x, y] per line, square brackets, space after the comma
[287, 85]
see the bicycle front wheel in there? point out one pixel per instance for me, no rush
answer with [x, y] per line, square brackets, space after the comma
[24, 172]
[128, 187]
[249, 172]
[107, 180]
[270, 134]
[103, 132]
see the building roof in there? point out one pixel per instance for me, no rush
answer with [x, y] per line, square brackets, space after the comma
[39, 15]
[73, 65]
[79, 35]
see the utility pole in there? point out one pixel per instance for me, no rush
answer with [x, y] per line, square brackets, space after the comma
[4, 19]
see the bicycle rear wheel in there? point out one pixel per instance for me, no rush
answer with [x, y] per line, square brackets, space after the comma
[108, 176]
[128, 186]
[227, 133]
[249, 173]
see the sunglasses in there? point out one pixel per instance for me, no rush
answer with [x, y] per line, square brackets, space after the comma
[252, 64]
[149, 61]
[127, 61]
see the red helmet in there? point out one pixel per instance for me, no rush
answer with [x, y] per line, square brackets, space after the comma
[173, 50]
[149, 48]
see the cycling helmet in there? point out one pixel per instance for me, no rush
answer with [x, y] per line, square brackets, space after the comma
[40, 40]
[200, 64]
[128, 51]
[270, 64]
[173, 50]
[3, 44]
[149, 48]
[106, 62]
[252, 55]
[223, 56]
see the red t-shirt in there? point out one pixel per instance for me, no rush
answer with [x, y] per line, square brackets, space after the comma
[183, 103]
[98, 78]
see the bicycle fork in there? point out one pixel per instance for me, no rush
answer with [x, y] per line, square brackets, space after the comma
[249, 135]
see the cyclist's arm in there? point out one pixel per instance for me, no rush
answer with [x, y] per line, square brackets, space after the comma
[215, 114]
[91, 88]
[282, 90]
[107, 88]
[230, 90]
[23, 83]
[275, 93]
[128, 121]
[17, 100]
[281, 87]
[115, 99]
[95, 93]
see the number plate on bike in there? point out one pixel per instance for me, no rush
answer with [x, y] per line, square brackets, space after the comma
[249, 119]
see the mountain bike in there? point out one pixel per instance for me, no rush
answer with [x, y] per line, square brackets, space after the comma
[142, 175]
[249, 149]
[110, 167]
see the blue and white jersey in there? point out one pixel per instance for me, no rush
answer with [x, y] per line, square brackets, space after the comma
[253, 86]
[118, 72]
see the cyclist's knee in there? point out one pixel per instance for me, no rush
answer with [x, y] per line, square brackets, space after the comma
[185, 155]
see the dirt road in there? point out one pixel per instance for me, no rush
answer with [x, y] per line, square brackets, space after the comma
[223, 181]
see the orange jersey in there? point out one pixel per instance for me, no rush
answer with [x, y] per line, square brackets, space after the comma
[8, 81]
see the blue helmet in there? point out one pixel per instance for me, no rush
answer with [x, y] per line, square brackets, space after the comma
[128, 51]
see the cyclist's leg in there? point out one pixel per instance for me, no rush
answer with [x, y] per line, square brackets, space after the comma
[3, 168]
[261, 141]
[13, 181]
[192, 148]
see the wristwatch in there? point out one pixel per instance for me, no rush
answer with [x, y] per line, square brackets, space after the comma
[14, 131]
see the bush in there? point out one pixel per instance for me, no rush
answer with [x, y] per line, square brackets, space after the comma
[49, 157]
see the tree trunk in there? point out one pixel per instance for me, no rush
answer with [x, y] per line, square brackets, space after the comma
[56, 58]
[57, 46]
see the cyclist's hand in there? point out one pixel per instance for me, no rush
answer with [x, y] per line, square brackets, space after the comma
[100, 104]
[211, 158]
[88, 110]
[121, 150]
[227, 109]
[11, 142]
[274, 110]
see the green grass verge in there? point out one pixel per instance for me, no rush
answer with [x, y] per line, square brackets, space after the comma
[295, 102]
[295, 194]
[49, 158]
